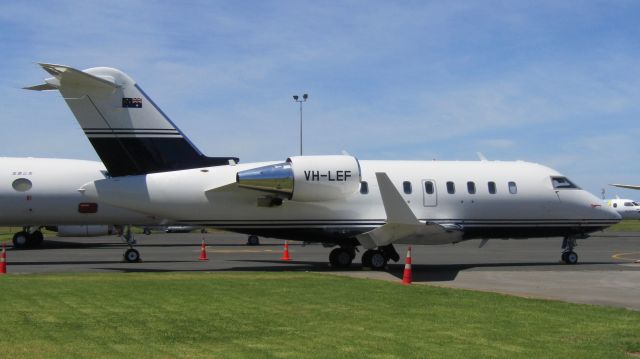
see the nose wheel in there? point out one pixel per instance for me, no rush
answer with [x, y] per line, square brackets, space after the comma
[131, 255]
[568, 255]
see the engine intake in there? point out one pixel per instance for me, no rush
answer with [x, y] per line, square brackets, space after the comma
[306, 178]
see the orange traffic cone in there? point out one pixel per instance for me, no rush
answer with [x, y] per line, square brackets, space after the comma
[3, 260]
[285, 255]
[203, 251]
[406, 277]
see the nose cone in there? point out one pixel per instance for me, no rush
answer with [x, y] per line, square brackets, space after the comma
[609, 213]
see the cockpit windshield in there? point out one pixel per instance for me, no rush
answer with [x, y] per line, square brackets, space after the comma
[631, 204]
[563, 183]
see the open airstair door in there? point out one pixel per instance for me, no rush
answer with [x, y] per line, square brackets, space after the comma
[402, 226]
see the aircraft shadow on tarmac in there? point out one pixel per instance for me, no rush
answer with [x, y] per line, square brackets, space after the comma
[420, 272]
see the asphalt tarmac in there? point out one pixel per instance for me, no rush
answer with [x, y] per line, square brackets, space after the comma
[608, 272]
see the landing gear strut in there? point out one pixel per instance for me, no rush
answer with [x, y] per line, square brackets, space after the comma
[568, 255]
[131, 255]
[342, 257]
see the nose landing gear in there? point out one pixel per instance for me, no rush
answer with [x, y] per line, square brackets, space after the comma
[131, 255]
[568, 255]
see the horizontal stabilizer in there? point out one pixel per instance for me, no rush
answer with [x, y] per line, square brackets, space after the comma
[67, 76]
[43, 87]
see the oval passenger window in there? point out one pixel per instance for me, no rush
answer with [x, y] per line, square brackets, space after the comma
[21, 185]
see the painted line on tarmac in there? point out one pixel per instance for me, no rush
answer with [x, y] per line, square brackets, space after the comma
[629, 256]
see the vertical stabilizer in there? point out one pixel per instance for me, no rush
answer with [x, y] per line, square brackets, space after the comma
[129, 132]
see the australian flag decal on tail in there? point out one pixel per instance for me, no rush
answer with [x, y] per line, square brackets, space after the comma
[134, 102]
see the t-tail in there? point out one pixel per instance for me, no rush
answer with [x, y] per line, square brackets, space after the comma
[127, 129]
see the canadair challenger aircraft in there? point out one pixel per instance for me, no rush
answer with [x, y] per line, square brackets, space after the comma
[43, 192]
[338, 200]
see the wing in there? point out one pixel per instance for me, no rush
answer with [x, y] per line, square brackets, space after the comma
[629, 186]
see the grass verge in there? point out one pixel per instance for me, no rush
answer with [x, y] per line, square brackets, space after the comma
[292, 315]
[627, 225]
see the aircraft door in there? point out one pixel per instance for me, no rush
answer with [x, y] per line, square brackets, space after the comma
[429, 193]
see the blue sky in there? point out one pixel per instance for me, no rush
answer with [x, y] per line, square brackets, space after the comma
[545, 81]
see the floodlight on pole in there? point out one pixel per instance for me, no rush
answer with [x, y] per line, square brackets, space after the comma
[304, 99]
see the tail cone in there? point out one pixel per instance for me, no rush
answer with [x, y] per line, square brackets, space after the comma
[406, 277]
[285, 255]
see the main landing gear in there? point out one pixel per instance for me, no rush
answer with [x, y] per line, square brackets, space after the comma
[568, 255]
[253, 240]
[27, 239]
[342, 257]
[376, 259]
[131, 255]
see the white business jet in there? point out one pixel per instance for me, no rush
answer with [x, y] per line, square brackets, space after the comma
[43, 192]
[627, 208]
[337, 200]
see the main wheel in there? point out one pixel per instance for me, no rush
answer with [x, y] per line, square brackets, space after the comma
[378, 260]
[253, 241]
[36, 239]
[21, 240]
[366, 258]
[570, 257]
[340, 258]
[131, 255]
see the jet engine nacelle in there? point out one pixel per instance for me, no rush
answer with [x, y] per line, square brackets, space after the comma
[84, 230]
[306, 178]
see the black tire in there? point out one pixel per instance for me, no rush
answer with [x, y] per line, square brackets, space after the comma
[366, 258]
[21, 240]
[131, 255]
[36, 239]
[378, 260]
[253, 240]
[563, 257]
[340, 258]
[571, 257]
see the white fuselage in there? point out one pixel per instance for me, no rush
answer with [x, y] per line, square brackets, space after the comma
[627, 208]
[44, 191]
[211, 197]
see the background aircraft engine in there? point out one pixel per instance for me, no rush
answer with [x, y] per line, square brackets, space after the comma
[306, 178]
[84, 230]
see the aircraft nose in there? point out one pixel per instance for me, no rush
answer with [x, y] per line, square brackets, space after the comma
[609, 213]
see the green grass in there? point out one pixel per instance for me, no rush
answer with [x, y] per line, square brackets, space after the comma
[292, 315]
[628, 225]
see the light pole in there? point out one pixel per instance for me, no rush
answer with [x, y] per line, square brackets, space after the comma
[297, 99]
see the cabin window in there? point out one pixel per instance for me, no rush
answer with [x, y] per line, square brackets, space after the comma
[428, 187]
[406, 185]
[471, 187]
[513, 189]
[22, 185]
[562, 183]
[615, 205]
[364, 187]
[492, 187]
[451, 187]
